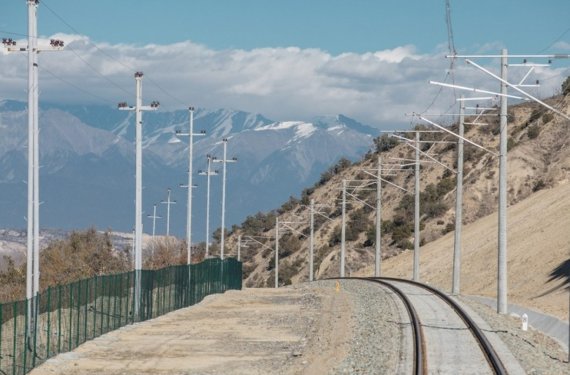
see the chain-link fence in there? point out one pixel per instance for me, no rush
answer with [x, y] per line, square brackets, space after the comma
[63, 317]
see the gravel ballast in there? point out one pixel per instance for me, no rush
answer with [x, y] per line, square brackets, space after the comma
[381, 339]
[380, 333]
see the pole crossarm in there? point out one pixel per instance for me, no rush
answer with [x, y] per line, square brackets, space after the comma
[454, 115]
[386, 181]
[252, 238]
[431, 157]
[551, 56]
[285, 225]
[411, 140]
[319, 212]
[360, 200]
[529, 96]
[472, 89]
[409, 131]
[409, 143]
[323, 215]
[179, 133]
[457, 135]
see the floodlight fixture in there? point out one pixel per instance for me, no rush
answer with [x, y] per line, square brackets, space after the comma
[174, 139]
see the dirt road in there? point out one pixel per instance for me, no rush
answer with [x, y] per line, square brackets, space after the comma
[256, 331]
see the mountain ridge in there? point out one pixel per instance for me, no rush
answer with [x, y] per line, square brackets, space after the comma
[87, 156]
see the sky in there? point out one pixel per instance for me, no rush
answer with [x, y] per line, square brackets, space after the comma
[289, 60]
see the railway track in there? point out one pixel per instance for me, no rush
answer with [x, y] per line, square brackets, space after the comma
[407, 291]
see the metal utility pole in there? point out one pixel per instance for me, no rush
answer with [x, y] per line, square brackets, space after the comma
[33, 150]
[502, 306]
[416, 273]
[168, 202]
[189, 185]
[455, 288]
[138, 108]
[154, 217]
[239, 248]
[312, 240]
[416, 162]
[208, 173]
[33, 221]
[378, 255]
[276, 252]
[224, 161]
[343, 230]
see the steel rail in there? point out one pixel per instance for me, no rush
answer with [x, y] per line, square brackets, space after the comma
[486, 347]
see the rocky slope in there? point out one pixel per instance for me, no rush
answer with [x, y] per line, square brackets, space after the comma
[538, 159]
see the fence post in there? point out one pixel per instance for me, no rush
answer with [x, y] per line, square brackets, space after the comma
[78, 314]
[36, 316]
[120, 298]
[70, 309]
[59, 319]
[1, 325]
[48, 322]
[108, 302]
[94, 307]
[14, 313]
[128, 290]
[85, 309]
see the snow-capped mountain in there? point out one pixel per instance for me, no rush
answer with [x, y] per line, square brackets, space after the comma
[87, 163]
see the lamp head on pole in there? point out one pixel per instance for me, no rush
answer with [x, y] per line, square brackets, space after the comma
[7, 42]
[174, 139]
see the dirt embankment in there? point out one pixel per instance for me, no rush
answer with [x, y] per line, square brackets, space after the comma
[295, 330]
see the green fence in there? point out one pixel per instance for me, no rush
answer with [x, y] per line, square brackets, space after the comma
[65, 316]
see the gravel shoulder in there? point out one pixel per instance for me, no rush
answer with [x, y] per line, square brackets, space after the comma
[536, 352]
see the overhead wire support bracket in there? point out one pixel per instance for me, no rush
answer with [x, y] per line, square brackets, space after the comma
[529, 96]
[458, 136]
[475, 90]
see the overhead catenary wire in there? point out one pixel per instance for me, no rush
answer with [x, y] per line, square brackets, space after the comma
[79, 88]
[555, 40]
[153, 82]
[84, 61]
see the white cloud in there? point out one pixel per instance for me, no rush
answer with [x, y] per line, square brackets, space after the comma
[561, 45]
[378, 87]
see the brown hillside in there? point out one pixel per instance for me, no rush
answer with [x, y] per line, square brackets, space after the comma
[538, 159]
[538, 241]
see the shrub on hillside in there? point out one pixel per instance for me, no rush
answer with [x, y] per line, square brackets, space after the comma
[82, 254]
[258, 223]
[533, 131]
[164, 252]
[566, 86]
[538, 185]
[385, 143]
[291, 203]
